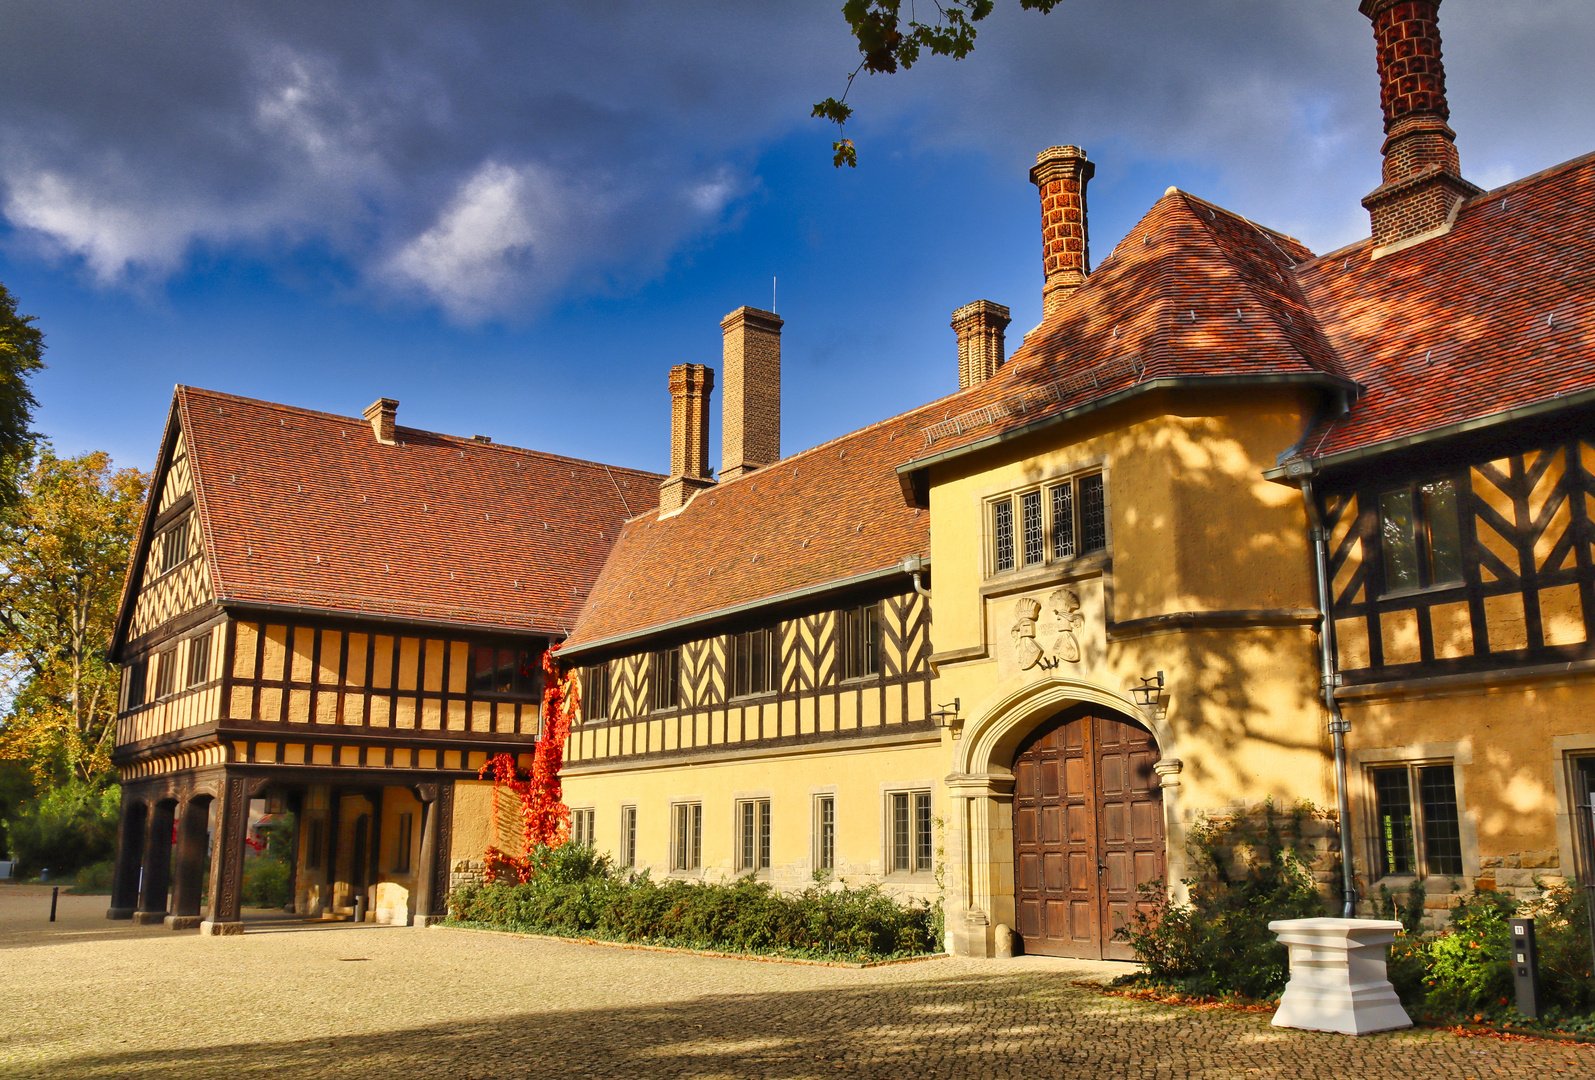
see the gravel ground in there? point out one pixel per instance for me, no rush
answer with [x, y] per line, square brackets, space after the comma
[86, 998]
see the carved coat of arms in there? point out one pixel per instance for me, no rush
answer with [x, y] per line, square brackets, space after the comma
[1062, 623]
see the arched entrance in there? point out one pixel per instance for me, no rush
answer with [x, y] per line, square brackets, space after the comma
[1087, 831]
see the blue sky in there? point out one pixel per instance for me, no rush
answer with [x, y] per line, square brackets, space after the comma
[514, 218]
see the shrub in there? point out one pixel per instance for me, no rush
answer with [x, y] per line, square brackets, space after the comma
[94, 878]
[575, 891]
[1219, 943]
[1561, 930]
[266, 883]
[67, 828]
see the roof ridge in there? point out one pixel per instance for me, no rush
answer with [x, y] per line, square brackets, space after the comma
[300, 410]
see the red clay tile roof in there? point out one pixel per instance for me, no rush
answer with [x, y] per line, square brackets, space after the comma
[1496, 315]
[818, 517]
[1192, 292]
[306, 508]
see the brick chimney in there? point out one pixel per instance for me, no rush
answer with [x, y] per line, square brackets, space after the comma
[690, 385]
[382, 414]
[1062, 172]
[1422, 181]
[750, 426]
[979, 327]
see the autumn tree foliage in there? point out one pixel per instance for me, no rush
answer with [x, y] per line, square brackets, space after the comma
[64, 548]
[545, 819]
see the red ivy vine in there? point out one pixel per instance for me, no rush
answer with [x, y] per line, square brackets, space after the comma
[545, 819]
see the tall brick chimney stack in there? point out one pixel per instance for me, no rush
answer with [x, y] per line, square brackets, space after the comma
[1422, 182]
[690, 386]
[1061, 172]
[383, 414]
[750, 425]
[980, 328]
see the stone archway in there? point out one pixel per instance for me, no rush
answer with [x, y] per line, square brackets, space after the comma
[981, 893]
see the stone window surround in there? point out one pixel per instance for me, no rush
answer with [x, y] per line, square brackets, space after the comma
[924, 786]
[1073, 470]
[1360, 761]
[1565, 750]
[816, 794]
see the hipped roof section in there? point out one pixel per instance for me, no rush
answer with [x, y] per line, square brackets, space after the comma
[1495, 317]
[305, 509]
[837, 513]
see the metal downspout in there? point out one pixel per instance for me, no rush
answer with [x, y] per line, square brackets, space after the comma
[1328, 679]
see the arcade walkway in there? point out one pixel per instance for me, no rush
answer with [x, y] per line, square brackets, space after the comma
[91, 999]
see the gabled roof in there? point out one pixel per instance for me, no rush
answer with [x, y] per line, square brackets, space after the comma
[1495, 317]
[306, 509]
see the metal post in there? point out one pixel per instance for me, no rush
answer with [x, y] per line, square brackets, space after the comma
[1525, 967]
[55, 893]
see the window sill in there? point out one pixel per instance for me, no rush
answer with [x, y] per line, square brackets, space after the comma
[859, 680]
[1424, 590]
[1036, 577]
[756, 697]
[910, 877]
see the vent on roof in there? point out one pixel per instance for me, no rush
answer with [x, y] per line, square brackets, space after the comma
[383, 415]
[480, 438]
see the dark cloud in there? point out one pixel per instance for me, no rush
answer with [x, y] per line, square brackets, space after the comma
[487, 157]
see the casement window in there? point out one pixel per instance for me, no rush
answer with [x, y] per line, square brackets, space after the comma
[1420, 536]
[665, 688]
[137, 677]
[174, 544]
[753, 835]
[511, 672]
[581, 827]
[1583, 770]
[595, 693]
[1052, 523]
[403, 842]
[858, 637]
[628, 836]
[1417, 826]
[165, 673]
[825, 832]
[686, 836]
[753, 662]
[199, 659]
[910, 841]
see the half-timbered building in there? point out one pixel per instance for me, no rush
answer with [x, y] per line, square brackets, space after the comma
[1135, 525]
[341, 618]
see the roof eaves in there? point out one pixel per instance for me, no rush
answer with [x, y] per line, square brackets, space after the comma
[1445, 431]
[1178, 382]
[807, 592]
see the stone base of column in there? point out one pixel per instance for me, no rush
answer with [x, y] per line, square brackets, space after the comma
[1338, 980]
[424, 921]
[148, 918]
[220, 929]
[183, 922]
[119, 913]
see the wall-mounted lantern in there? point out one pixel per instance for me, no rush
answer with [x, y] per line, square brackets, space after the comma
[946, 716]
[1149, 691]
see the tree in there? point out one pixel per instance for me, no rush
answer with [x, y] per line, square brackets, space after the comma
[64, 548]
[21, 354]
[887, 44]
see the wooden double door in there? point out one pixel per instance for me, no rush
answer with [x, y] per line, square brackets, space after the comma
[1088, 831]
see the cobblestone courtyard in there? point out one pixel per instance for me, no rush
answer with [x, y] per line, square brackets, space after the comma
[88, 998]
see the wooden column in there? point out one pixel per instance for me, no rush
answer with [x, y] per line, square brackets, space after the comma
[156, 877]
[187, 883]
[426, 876]
[373, 869]
[129, 858]
[227, 861]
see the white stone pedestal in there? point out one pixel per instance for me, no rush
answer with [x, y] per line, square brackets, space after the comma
[1337, 976]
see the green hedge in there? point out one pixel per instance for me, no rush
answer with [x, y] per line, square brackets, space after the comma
[577, 893]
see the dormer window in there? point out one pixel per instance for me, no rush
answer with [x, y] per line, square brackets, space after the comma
[174, 544]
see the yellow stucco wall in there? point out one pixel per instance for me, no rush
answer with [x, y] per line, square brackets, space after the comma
[860, 779]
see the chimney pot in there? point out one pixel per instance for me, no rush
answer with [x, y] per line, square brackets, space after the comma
[1061, 173]
[690, 387]
[750, 425]
[382, 415]
[980, 328]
